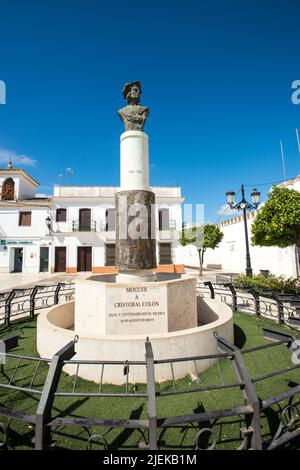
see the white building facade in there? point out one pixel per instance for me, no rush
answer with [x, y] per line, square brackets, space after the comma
[74, 230]
[230, 255]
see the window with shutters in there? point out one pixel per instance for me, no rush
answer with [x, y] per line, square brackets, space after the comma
[165, 253]
[25, 219]
[110, 220]
[164, 219]
[110, 254]
[61, 215]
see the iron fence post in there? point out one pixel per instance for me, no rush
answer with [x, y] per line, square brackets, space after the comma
[152, 415]
[32, 301]
[279, 308]
[8, 301]
[253, 420]
[256, 300]
[43, 414]
[211, 288]
[56, 293]
[234, 296]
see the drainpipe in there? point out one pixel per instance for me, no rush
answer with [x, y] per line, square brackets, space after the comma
[297, 261]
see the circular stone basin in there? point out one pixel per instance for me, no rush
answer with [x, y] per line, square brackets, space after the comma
[105, 307]
[55, 329]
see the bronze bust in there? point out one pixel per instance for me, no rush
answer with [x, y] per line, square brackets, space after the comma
[133, 115]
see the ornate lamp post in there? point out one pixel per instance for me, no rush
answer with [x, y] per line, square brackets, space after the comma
[244, 206]
[49, 224]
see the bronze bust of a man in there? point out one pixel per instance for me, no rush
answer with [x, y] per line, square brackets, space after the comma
[133, 115]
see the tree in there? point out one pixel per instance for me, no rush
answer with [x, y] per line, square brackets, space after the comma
[278, 221]
[206, 236]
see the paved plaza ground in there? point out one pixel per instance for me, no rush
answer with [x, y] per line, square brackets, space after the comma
[20, 280]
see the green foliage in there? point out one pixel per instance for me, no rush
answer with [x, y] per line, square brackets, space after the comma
[203, 237]
[206, 236]
[278, 221]
[276, 283]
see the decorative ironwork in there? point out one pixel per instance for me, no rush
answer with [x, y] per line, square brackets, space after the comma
[247, 371]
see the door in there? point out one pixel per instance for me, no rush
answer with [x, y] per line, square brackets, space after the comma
[85, 220]
[110, 254]
[18, 261]
[60, 259]
[44, 259]
[84, 258]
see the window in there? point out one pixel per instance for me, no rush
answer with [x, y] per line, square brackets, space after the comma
[25, 219]
[61, 215]
[110, 220]
[165, 253]
[164, 219]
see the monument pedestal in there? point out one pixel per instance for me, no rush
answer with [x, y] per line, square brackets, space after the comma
[109, 308]
[132, 277]
[134, 168]
[135, 214]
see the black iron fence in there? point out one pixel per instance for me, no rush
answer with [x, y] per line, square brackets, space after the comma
[279, 307]
[282, 308]
[19, 303]
[243, 372]
[43, 380]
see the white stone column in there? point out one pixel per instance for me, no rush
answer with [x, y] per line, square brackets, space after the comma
[134, 161]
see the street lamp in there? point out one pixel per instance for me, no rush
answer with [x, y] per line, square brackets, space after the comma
[244, 206]
[49, 223]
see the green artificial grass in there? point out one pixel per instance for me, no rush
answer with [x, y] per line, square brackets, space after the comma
[226, 431]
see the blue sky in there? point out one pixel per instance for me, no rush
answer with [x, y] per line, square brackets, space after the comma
[216, 75]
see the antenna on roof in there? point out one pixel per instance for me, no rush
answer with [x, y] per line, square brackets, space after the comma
[283, 161]
[68, 171]
[298, 140]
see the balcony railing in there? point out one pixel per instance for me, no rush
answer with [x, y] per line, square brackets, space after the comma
[171, 226]
[84, 227]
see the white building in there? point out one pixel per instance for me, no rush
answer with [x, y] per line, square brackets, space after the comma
[230, 255]
[75, 229]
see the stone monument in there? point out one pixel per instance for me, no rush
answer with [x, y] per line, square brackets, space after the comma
[113, 314]
[135, 239]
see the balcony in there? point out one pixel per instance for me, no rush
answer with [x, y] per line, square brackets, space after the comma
[168, 232]
[84, 227]
[168, 225]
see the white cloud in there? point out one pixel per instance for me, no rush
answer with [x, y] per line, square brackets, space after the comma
[16, 158]
[225, 210]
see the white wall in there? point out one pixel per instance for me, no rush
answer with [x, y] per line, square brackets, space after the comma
[23, 188]
[96, 198]
[231, 253]
[29, 238]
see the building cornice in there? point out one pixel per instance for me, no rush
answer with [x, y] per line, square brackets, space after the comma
[19, 172]
[237, 219]
[24, 204]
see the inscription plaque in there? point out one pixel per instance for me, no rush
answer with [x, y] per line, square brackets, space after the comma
[136, 310]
